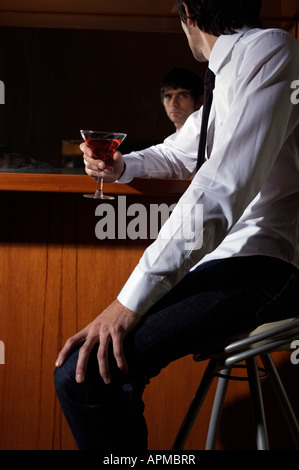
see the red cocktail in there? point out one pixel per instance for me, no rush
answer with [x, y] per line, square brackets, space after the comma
[103, 149]
[103, 146]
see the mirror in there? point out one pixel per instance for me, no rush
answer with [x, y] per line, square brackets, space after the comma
[58, 81]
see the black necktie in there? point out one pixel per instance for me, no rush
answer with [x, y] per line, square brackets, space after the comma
[208, 98]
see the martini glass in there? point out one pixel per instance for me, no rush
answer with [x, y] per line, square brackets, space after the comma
[103, 146]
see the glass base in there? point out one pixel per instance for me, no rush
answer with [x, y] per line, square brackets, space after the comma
[99, 197]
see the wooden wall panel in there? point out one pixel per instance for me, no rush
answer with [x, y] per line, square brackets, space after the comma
[55, 277]
[50, 287]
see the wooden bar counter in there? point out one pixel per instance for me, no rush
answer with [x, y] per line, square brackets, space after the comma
[55, 277]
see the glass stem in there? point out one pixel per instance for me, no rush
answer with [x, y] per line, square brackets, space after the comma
[99, 190]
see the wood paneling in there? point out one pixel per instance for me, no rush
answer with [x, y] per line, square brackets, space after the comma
[55, 277]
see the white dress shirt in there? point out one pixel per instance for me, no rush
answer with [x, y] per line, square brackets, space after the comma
[249, 184]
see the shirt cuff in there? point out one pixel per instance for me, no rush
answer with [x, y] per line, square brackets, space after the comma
[142, 291]
[134, 168]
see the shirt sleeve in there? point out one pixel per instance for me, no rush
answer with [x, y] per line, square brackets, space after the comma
[245, 147]
[173, 159]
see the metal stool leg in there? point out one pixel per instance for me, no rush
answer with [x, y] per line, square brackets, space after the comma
[217, 409]
[196, 404]
[258, 407]
[282, 398]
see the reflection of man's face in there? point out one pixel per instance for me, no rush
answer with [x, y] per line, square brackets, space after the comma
[178, 104]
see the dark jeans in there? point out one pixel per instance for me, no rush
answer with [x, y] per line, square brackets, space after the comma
[217, 300]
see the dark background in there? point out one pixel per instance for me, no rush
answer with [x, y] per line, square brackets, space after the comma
[58, 81]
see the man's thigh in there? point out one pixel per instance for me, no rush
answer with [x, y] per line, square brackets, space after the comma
[212, 303]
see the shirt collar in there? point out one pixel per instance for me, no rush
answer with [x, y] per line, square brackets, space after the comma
[222, 49]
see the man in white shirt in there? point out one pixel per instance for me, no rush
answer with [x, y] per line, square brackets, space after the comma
[242, 269]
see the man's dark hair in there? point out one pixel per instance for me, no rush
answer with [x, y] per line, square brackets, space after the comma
[219, 17]
[182, 78]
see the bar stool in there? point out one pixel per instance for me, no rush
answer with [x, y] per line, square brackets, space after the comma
[261, 343]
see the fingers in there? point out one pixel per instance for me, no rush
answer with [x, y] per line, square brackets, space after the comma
[119, 355]
[96, 168]
[103, 360]
[117, 156]
[83, 358]
[91, 165]
[89, 340]
[111, 326]
[70, 344]
[116, 337]
[90, 161]
[86, 150]
[102, 336]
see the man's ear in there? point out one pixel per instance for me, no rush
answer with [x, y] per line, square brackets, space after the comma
[189, 15]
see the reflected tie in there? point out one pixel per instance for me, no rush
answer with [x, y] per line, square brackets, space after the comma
[208, 98]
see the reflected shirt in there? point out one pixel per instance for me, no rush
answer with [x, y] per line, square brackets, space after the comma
[248, 187]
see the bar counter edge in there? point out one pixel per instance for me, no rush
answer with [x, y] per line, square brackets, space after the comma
[61, 183]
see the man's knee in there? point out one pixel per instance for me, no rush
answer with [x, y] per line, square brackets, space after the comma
[60, 378]
[64, 376]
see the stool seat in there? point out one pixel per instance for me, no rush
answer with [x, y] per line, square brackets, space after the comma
[247, 346]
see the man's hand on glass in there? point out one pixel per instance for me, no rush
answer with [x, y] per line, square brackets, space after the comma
[96, 168]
